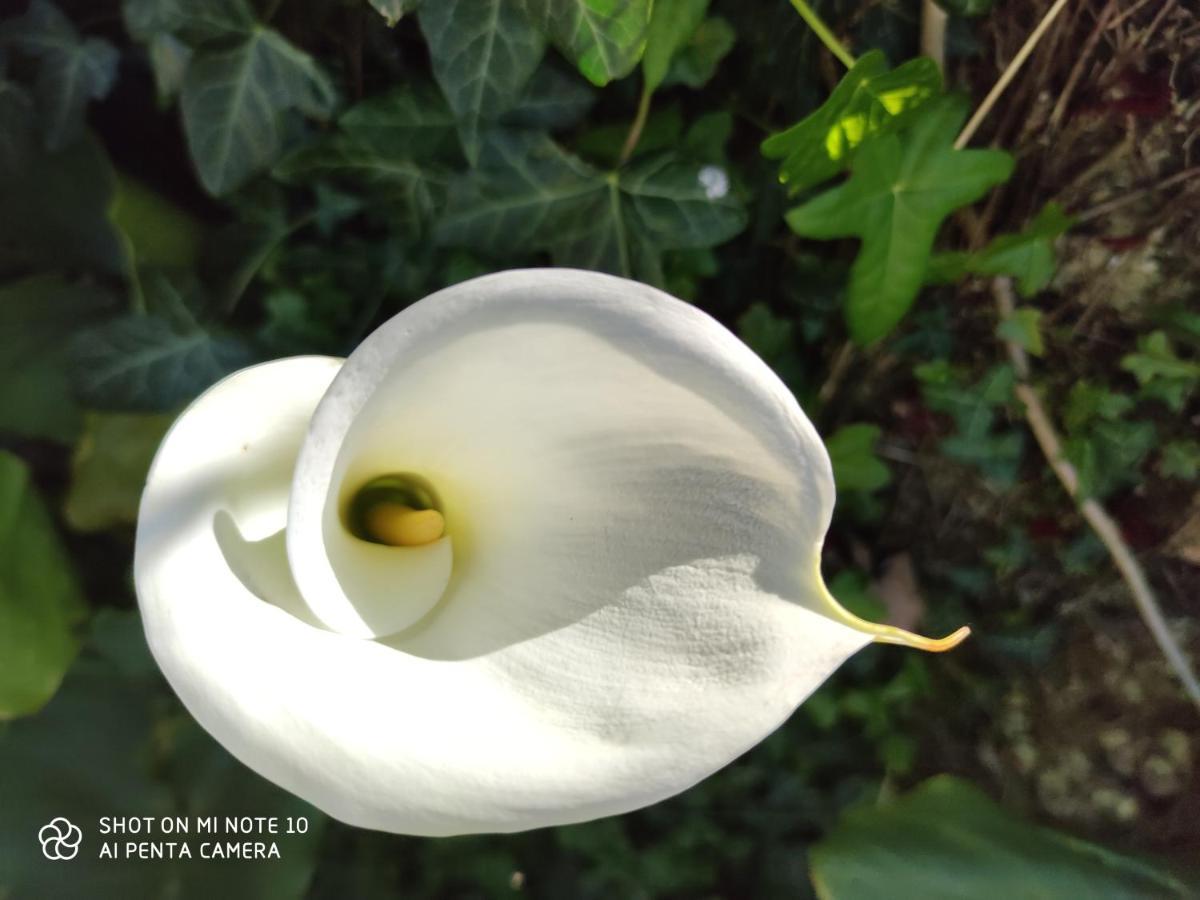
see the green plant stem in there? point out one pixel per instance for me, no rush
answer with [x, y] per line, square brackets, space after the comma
[821, 30]
[635, 130]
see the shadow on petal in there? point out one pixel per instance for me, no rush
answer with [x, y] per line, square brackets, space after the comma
[262, 567]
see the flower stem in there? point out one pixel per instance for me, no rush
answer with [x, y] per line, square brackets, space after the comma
[635, 130]
[821, 30]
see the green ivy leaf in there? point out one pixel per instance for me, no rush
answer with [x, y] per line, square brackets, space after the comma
[234, 101]
[196, 21]
[37, 316]
[388, 145]
[40, 603]
[855, 465]
[1108, 454]
[900, 190]
[774, 339]
[56, 205]
[412, 121]
[707, 136]
[604, 38]
[145, 364]
[1023, 328]
[696, 62]
[1088, 402]
[393, 10]
[109, 469]
[483, 54]
[71, 70]
[869, 100]
[602, 144]
[551, 101]
[158, 232]
[1180, 459]
[977, 441]
[768, 335]
[415, 190]
[672, 24]
[1161, 374]
[946, 838]
[1027, 256]
[528, 194]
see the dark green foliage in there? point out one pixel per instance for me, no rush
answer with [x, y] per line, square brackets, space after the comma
[144, 364]
[71, 70]
[947, 839]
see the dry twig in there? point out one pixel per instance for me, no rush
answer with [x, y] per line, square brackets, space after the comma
[1093, 513]
[1010, 72]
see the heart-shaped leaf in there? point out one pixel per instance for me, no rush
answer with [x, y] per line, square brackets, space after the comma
[900, 190]
[483, 53]
[234, 101]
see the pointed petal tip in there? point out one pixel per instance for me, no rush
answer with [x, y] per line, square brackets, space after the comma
[887, 634]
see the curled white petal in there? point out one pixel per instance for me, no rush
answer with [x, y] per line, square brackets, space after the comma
[634, 510]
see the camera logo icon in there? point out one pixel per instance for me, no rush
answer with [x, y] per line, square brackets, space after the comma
[60, 839]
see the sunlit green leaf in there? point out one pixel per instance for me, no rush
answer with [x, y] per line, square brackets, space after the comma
[604, 38]
[234, 101]
[483, 53]
[40, 603]
[901, 189]
[948, 839]
[869, 100]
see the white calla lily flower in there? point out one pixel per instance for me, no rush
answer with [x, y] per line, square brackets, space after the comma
[544, 548]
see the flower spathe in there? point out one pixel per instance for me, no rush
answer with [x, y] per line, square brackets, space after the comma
[625, 598]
